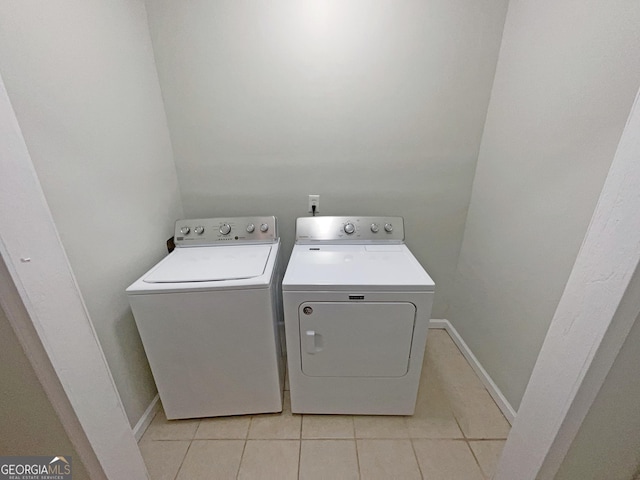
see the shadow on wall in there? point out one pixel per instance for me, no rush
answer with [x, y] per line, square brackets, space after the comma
[135, 383]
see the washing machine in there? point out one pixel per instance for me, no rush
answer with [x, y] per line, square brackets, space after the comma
[210, 318]
[357, 305]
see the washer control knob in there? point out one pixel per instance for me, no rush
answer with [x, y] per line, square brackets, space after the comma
[264, 227]
[185, 230]
[199, 229]
[349, 228]
[251, 228]
[375, 227]
[225, 228]
[388, 227]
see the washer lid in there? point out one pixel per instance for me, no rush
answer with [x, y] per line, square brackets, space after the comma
[206, 264]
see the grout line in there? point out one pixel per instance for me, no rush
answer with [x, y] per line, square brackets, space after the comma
[464, 435]
[357, 457]
[397, 438]
[415, 455]
[186, 439]
[249, 427]
[195, 432]
[375, 438]
[183, 459]
[491, 439]
[299, 440]
[482, 472]
[246, 435]
[244, 447]
[299, 455]
[335, 439]
[258, 440]
[434, 439]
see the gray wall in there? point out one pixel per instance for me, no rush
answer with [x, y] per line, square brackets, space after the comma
[28, 422]
[565, 81]
[608, 442]
[377, 106]
[82, 81]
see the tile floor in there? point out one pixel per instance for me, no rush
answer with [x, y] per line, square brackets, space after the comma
[457, 432]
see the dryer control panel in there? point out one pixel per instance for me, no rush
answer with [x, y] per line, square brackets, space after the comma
[350, 229]
[226, 230]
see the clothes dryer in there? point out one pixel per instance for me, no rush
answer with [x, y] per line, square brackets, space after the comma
[210, 316]
[357, 305]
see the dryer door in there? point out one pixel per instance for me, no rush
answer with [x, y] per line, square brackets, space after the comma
[348, 339]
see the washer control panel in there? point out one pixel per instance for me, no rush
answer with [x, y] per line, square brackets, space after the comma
[350, 229]
[226, 230]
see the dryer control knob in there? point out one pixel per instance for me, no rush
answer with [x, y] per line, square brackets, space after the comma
[225, 228]
[374, 227]
[199, 229]
[185, 230]
[388, 227]
[251, 228]
[349, 228]
[264, 227]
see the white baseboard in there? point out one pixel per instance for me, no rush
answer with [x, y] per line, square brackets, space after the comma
[439, 323]
[146, 418]
[503, 404]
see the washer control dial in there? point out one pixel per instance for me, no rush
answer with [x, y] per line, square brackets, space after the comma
[264, 227]
[388, 227]
[251, 228]
[225, 228]
[375, 227]
[349, 228]
[199, 229]
[185, 230]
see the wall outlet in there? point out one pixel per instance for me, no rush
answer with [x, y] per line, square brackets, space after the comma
[314, 200]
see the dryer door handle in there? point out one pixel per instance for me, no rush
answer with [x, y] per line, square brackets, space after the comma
[312, 342]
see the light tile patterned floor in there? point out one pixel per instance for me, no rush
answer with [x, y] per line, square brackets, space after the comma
[457, 432]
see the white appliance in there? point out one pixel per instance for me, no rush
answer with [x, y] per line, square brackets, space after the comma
[357, 306]
[210, 315]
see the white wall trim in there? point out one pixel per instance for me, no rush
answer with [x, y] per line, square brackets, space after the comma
[439, 323]
[592, 321]
[45, 372]
[56, 329]
[503, 404]
[146, 418]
